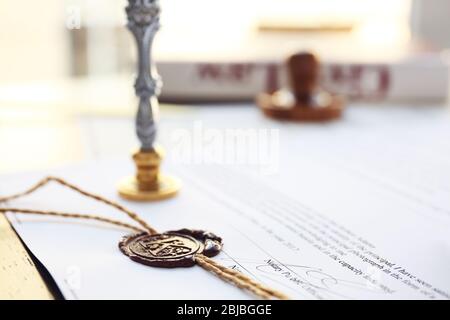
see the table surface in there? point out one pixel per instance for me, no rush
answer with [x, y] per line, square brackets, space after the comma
[55, 131]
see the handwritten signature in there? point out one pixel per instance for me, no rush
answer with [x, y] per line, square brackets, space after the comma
[312, 279]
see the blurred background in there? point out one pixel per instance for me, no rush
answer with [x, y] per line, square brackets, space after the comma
[66, 60]
[56, 39]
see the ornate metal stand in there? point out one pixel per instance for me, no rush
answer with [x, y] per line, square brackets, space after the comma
[148, 183]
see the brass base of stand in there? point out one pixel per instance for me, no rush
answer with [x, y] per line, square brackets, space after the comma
[148, 184]
[167, 187]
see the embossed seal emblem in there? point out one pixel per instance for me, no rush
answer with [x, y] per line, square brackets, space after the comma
[170, 249]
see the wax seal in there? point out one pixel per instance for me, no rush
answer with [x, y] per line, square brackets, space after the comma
[171, 249]
[304, 100]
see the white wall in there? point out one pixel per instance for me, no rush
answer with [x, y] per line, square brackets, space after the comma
[33, 45]
[430, 21]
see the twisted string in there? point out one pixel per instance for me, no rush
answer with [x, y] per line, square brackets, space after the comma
[238, 279]
[73, 215]
[45, 181]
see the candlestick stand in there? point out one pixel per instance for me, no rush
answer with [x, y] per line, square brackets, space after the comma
[148, 184]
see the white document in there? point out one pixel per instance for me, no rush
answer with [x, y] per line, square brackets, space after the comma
[358, 209]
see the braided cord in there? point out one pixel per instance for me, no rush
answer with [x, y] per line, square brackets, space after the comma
[45, 181]
[238, 279]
